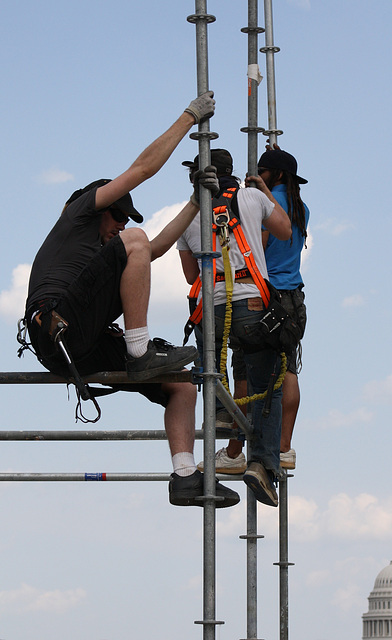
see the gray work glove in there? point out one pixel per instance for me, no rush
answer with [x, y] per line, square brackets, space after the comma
[207, 179]
[202, 107]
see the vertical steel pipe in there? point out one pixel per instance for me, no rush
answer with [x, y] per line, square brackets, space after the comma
[283, 558]
[254, 78]
[251, 538]
[201, 20]
[283, 563]
[272, 132]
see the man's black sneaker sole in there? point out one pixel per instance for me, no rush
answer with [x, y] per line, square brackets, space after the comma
[183, 499]
[259, 492]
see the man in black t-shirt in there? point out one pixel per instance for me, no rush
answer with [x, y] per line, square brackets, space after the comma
[90, 274]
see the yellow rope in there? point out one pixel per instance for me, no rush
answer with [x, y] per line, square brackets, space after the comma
[228, 313]
[260, 396]
[226, 331]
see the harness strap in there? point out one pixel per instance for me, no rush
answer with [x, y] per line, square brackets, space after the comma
[223, 209]
[246, 251]
[197, 313]
[240, 274]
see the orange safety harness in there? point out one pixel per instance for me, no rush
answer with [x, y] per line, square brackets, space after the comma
[224, 222]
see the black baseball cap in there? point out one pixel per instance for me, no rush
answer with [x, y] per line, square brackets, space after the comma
[220, 158]
[121, 210]
[278, 159]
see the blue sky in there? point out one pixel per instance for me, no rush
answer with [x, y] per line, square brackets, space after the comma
[86, 86]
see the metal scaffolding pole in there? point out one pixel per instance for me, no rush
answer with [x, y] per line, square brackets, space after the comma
[91, 477]
[283, 563]
[201, 19]
[254, 79]
[272, 132]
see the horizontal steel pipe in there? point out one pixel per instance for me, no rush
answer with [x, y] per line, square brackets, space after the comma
[101, 377]
[95, 477]
[123, 434]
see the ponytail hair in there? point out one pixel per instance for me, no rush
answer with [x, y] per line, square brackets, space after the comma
[296, 207]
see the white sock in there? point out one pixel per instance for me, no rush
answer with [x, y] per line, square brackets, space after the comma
[184, 464]
[137, 341]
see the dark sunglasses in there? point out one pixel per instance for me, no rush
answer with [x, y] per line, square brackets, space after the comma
[118, 215]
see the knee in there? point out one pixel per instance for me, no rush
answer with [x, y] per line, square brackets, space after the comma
[186, 392]
[135, 241]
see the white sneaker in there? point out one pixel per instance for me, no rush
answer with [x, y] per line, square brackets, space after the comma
[224, 464]
[288, 459]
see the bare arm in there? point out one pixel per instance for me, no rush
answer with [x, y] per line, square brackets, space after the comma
[278, 223]
[190, 266]
[170, 234]
[147, 164]
[264, 238]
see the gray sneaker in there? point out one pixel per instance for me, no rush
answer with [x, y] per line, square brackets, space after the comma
[259, 480]
[160, 357]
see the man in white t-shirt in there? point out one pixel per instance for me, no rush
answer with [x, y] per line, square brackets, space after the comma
[255, 208]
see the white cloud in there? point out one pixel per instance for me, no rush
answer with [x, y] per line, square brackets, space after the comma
[356, 300]
[12, 300]
[28, 598]
[169, 288]
[305, 254]
[55, 176]
[304, 518]
[349, 574]
[335, 227]
[337, 419]
[318, 578]
[362, 517]
[348, 597]
[379, 391]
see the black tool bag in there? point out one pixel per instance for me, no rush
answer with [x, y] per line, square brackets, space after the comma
[277, 328]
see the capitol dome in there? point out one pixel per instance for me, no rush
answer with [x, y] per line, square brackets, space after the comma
[384, 578]
[377, 622]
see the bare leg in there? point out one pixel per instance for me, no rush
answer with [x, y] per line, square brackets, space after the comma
[290, 405]
[180, 416]
[135, 280]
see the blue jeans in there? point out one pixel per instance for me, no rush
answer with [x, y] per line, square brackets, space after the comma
[260, 363]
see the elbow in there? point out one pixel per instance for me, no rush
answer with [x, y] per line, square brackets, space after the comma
[286, 230]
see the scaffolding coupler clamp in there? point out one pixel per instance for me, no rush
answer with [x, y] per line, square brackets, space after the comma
[198, 376]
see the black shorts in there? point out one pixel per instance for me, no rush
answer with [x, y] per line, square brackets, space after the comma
[90, 305]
